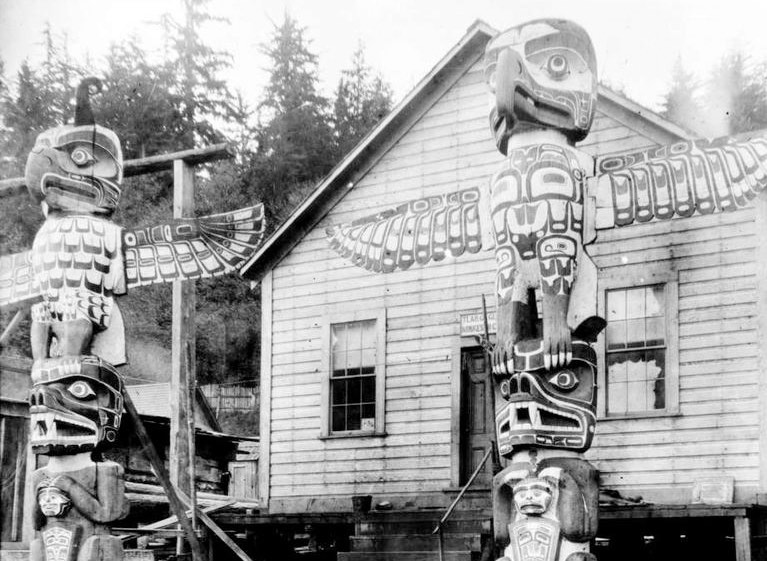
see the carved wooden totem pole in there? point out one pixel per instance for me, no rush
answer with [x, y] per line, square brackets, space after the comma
[546, 202]
[79, 261]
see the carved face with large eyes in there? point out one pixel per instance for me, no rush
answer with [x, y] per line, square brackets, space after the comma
[550, 409]
[75, 405]
[76, 169]
[542, 74]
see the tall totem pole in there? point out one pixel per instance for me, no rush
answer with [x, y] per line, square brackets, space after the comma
[79, 261]
[541, 208]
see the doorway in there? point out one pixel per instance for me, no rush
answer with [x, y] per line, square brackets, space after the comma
[477, 424]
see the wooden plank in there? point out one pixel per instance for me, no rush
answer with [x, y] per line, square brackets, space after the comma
[267, 323]
[216, 529]
[742, 527]
[171, 521]
[13, 324]
[142, 166]
[760, 204]
[182, 377]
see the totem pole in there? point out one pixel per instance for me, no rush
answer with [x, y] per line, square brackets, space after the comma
[79, 261]
[546, 202]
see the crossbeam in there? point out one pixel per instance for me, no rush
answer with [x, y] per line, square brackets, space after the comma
[141, 166]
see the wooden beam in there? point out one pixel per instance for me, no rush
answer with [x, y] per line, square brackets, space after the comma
[163, 162]
[182, 375]
[165, 523]
[147, 447]
[13, 324]
[742, 538]
[141, 166]
[760, 203]
[219, 532]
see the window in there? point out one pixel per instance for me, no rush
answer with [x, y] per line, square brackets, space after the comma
[354, 385]
[639, 348]
[353, 376]
[636, 349]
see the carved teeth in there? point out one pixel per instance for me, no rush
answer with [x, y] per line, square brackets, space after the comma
[531, 415]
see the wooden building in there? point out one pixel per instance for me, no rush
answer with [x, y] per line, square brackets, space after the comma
[682, 411]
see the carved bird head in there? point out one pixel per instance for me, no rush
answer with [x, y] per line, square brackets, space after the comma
[77, 167]
[542, 74]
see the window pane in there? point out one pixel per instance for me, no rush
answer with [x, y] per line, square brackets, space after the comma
[637, 398]
[616, 369]
[635, 300]
[656, 375]
[339, 418]
[353, 390]
[655, 300]
[338, 391]
[368, 335]
[369, 411]
[635, 335]
[616, 335]
[338, 338]
[655, 331]
[369, 389]
[616, 398]
[636, 370]
[616, 305]
[353, 417]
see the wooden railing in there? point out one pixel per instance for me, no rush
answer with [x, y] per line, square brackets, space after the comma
[451, 508]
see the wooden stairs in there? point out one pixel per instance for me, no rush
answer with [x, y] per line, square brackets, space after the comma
[407, 536]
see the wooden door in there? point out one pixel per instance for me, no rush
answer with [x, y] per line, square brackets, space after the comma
[476, 415]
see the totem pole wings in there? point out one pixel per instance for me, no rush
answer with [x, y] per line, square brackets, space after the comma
[684, 179]
[181, 249]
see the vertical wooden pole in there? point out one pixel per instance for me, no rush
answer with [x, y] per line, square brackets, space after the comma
[760, 261]
[182, 378]
[742, 538]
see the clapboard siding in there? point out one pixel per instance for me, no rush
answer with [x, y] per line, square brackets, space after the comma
[449, 148]
[716, 430]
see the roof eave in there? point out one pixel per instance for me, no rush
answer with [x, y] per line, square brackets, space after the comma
[345, 174]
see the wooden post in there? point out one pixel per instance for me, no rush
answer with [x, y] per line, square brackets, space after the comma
[182, 378]
[742, 538]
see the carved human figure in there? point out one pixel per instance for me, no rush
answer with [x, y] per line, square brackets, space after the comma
[546, 509]
[75, 411]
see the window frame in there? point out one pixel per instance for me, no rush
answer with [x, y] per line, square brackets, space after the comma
[636, 276]
[379, 316]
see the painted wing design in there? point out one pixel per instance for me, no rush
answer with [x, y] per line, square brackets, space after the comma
[415, 232]
[192, 248]
[17, 283]
[682, 179]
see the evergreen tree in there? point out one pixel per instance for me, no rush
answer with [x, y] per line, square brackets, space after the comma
[203, 95]
[297, 137]
[736, 97]
[361, 100]
[680, 104]
[138, 102]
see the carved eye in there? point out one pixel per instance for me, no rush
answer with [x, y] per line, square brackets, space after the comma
[82, 157]
[81, 390]
[565, 380]
[557, 66]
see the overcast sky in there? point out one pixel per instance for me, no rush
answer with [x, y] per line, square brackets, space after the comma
[637, 41]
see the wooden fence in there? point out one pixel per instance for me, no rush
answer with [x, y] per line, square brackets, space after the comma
[231, 397]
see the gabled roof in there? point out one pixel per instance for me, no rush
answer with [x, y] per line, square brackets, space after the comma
[332, 188]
